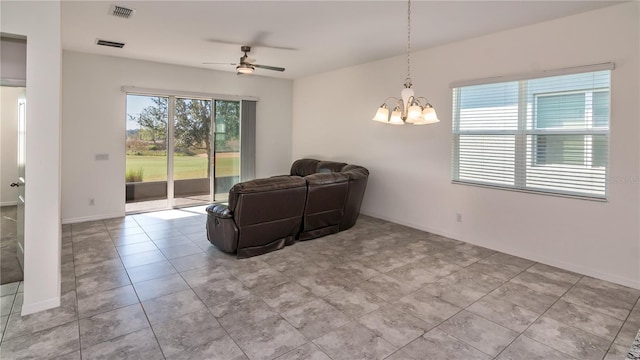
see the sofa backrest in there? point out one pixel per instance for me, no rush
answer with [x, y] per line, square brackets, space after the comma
[324, 209]
[329, 166]
[304, 167]
[267, 199]
[267, 212]
[357, 184]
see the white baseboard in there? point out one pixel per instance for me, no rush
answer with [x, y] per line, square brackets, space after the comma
[588, 271]
[8, 203]
[91, 218]
[40, 306]
[584, 270]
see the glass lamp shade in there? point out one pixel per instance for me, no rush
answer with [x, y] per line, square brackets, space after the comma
[414, 114]
[396, 118]
[429, 116]
[382, 115]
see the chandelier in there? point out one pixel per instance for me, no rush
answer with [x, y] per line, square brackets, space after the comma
[409, 109]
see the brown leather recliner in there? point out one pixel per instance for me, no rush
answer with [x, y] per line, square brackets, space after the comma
[263, 215]
[324, 210]
[335, 195]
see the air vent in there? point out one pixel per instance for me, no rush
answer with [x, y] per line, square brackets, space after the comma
[120, 11]
[110, 43]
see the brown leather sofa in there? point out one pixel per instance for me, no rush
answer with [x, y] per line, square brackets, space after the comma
[335, 193]
[263, 215]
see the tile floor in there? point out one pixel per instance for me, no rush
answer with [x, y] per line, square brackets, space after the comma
[151, 287]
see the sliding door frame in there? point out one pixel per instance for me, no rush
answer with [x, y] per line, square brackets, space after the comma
[171, 109]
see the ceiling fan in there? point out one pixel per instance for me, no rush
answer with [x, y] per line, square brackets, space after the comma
[246, 64]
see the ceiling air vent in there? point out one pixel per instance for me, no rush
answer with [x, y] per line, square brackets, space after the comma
[110, 43]
[120, 11]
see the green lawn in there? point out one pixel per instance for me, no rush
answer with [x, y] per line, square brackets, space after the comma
[185, 167]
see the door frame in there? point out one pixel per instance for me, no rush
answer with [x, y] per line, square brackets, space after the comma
[171, 96]
[21, 157]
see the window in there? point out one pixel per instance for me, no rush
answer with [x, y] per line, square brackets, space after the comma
[545, 134]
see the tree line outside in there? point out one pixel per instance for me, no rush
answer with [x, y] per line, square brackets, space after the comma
[146, 145]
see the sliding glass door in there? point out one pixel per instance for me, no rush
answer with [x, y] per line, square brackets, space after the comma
[146, 153]
[192, 152]
[185, 161]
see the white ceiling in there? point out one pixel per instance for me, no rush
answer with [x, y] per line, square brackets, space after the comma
[312, 36]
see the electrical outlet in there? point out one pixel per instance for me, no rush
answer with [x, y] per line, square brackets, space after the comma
[92, 202]
[459, 217]
[102, 156]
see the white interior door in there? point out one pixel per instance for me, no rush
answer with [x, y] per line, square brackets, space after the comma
[22, 113]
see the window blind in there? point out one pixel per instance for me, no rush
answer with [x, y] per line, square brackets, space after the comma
[248, 142]
[545, 134]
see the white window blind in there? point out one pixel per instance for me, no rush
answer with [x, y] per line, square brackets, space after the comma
[547, 134]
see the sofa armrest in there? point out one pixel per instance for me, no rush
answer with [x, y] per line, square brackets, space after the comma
[221, 228]
[220, 211]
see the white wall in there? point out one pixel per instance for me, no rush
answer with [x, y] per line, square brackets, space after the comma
[94, 123]
[39, 21]
[9, 143]
[410, 180]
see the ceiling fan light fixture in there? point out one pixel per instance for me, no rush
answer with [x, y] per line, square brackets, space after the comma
[247, 65]
[245, 69]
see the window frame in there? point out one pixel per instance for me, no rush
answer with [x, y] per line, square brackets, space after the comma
[588, 131]
[527, 129]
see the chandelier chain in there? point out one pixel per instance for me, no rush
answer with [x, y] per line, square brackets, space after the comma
[409, 39]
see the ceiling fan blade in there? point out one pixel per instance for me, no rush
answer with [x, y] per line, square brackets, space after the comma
[267, 67]
[218, 63]
[256, 44]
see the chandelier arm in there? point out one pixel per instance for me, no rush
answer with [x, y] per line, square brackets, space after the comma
[426, 101]
[400, 105]
[386, 101]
